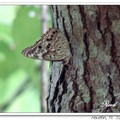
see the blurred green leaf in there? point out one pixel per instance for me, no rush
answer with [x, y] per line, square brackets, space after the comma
[29, 99]
[5, 35]
[26, 29]
[7, 14]
[2, 57]
[20, 27]
[15, 79]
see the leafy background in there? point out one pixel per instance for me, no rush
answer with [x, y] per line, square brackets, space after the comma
[20, 26]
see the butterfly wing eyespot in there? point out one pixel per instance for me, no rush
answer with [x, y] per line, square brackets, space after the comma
[39, 47]
[48, 46]
[49, 39]
[51, 36]
[54, 32]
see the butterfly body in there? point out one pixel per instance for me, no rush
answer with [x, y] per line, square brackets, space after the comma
[52, 46]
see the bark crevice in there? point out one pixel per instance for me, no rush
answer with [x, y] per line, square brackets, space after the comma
[113, 55]
[75, 89]
[62, 83]
[86, 75]
[56, 91]
[98, 19]
[70, 16]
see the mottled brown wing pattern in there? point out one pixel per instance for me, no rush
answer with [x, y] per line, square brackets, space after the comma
[52, 46]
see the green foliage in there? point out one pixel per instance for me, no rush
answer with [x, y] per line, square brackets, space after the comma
[26, 30]
[20, 27]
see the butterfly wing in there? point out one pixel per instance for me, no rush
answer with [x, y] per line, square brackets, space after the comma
[52, 46]
[57, 47]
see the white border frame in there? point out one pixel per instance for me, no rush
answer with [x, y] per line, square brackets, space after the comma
[59, 114]
[61, 2]
[48, 2]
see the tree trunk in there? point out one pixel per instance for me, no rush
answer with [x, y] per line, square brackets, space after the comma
[92, 82]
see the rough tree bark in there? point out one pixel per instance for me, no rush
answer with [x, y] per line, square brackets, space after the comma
[94, 76]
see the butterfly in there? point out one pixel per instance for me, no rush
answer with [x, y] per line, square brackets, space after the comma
[53, 46]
